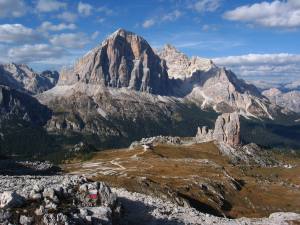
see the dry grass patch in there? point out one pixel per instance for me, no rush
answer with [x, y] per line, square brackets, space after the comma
[198, 174]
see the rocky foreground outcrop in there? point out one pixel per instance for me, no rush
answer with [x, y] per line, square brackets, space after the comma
[56, 200]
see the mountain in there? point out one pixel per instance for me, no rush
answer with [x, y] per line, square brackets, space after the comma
[212, 87]
[289, 100]
[180, 65]
[124, 59]
[21, 121]
[121, 91]
[23, 78]
[17, 105]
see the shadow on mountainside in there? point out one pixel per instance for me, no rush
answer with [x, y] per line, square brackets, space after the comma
[14, 168]
[137, 213]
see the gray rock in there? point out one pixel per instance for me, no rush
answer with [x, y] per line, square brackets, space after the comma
[204, 134]
[227, 129]
[40, 211]
[35, 196]
[49, 219]
[156, 140]
[38, 188]
[49, 193]
[24, 220]
[4, 216]
[10, 199]
[124, 59]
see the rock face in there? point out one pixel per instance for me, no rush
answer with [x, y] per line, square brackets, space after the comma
[23, 78]
[212, 87]
[289, 100]
[122, 60]
[121, 91]
[180, 66]
[17, 105]
[227, 130]
[21, 121]
[204, 134]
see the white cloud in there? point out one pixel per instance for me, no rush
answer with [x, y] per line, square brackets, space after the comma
[277, 67]
[33, 53]
[84, 9]
[149, 23]
[70, 40]
[17, 33]
[67, 16]
[254, 59]
[172, 16]
[95, 35]
[105, 10]
[207, 5]
[168, 17]
[278, 13]
[12, 8]
[48, 26]
[50, 5]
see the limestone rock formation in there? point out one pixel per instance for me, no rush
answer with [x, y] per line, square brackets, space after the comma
[289, 100]
[124, 59]
[209, 86]
[23, 78]
[180, 65]
[204, 134]
[227, 130]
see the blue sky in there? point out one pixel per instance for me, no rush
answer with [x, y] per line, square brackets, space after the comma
[259, 40]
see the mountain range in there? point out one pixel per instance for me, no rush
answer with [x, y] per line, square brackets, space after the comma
[124, 90]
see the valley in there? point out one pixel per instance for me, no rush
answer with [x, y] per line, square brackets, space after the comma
[199, 176]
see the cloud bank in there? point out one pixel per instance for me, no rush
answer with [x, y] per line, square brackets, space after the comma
[278, 13]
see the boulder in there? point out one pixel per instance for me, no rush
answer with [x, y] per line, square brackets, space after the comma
[10, 199]
[49, 193]
[24, 220]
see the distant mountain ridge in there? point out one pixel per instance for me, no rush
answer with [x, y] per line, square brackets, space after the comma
[23, 78]
[212, 87]
[289, 100]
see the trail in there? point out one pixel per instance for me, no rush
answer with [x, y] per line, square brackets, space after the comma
[114, 162]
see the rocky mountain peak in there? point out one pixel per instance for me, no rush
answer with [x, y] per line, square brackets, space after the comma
[180, 65]
[23, 78]
[272, 92]
[124, 59]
